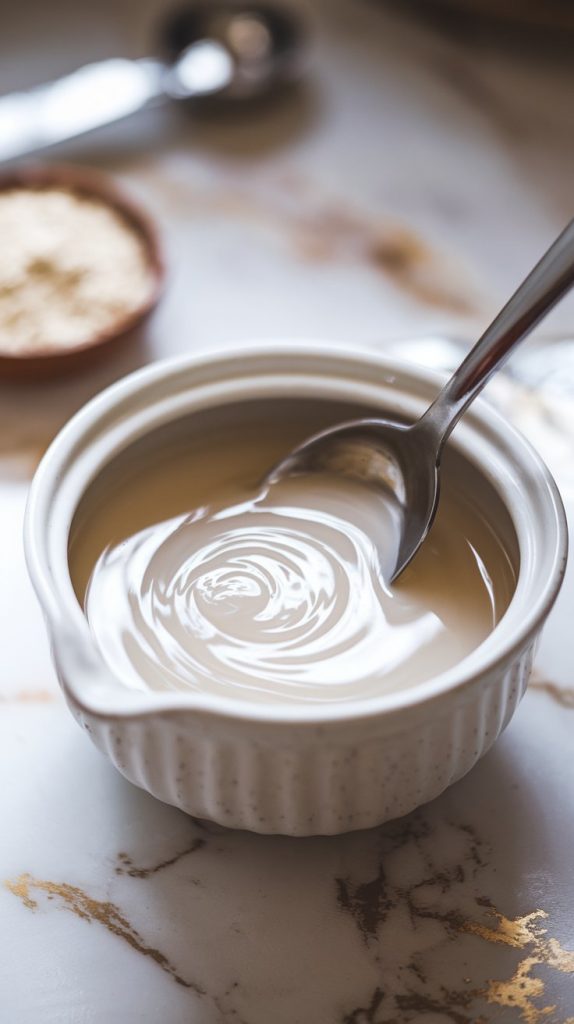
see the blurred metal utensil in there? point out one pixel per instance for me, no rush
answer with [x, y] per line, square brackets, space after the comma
[215, 49]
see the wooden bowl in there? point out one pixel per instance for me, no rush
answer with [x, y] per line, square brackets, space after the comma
[53, 360]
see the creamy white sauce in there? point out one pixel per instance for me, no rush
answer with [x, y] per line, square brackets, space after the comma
[281, 598]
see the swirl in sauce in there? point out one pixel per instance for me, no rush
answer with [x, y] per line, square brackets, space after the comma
[280, 598]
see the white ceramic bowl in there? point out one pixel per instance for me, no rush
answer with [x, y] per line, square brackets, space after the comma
[296, 769]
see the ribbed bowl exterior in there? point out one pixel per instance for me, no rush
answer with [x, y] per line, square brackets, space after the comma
[311, 780]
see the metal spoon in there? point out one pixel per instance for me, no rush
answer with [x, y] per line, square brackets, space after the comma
[214, 49]
[405, 460]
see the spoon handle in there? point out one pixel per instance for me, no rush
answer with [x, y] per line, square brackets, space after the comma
[546, 284]
[99, 94]
[89, 98]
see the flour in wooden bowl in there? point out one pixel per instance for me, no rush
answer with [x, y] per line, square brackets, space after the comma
[72, 268]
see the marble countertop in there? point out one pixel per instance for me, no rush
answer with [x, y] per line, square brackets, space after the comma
[402, 192]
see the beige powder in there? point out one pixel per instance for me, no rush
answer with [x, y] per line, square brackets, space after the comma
[71, 267]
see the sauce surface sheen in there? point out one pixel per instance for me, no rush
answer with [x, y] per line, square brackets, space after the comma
[278, 596]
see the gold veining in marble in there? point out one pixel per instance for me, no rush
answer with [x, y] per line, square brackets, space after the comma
[414, 1006]
[372, 902]
[563, 695]
[522, 992]
[29, 697]
[126, 865]
[324, 230]
[523, 987]
[366, 1014]
[411, 265]
[84, 906]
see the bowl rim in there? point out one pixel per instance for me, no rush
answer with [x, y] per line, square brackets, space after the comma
[66, 619]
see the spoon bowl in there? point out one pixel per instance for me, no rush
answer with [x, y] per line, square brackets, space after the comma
[404, 460]
[383, 454]
[263, 44]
